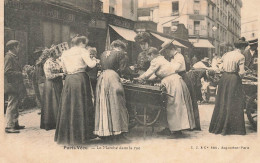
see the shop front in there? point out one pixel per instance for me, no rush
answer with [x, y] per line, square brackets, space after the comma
[123, 29]
[42, 24]
[202, 47]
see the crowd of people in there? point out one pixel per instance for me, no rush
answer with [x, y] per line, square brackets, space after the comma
[82, 104]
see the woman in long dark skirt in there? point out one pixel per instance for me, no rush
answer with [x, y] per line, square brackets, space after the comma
[75, 120]
[51, 93]
[228, 115]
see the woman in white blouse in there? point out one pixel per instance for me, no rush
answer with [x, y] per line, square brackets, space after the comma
[179, 105]
[178, 61]
[75, 121]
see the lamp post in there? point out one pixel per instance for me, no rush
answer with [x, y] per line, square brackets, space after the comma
[214, 29]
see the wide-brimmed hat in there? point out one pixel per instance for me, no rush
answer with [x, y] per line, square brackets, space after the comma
[253, 42]
[241, 42]
[143, 37]
[166, 45]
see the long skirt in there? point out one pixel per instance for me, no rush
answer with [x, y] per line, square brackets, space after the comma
[228, 115]
[51, 99]
[179, 106]
[192, 92]
[75, 121]
[111, 116]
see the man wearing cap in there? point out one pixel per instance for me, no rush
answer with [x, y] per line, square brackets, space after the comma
[16, 89]
[143, 59]
[251, 55]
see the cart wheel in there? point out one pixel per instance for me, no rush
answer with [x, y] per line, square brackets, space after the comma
[251, 111]
[151, 119]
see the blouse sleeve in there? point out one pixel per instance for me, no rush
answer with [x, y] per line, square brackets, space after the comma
[49, 70]
[152, 69]
[63, 66]
[178, 61]
[241, 60]
[241, 64]
[140, 60]
[86, 57]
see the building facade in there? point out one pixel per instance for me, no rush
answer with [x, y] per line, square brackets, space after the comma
[249, 28]
[43, 23]
[212, 24]
[123, 8]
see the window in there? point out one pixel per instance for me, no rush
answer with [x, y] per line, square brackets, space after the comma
[196, 27]
[175, 8]
[132, 7]
[212, 12]
[208, 10]
[175, 23]
[217, 13]
[197, 12]
[111, 10]
[196, 7]
[218, 32]
[167, 30]
[208, 29]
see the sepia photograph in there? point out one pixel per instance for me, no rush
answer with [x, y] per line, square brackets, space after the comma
[129, 81]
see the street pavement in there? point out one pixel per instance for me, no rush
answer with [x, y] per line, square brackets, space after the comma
[34, 138]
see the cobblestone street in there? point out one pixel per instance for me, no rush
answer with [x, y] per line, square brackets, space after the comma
[33, 138]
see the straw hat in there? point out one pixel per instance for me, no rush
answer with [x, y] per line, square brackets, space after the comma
[166, 45]
[253, 42]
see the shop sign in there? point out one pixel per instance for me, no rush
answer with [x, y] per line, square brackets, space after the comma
[120, 22]
[197, 17]
[97, 24]
[58, 49]
[36, 9]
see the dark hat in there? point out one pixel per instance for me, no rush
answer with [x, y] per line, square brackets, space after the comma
[253, 42]
[143, 37]
[166, 45]
[241, 42]
[152, 50]
[119, 43]
[11, 42]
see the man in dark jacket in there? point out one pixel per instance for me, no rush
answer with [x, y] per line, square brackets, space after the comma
[39, 76]
[251, 55]
[14, 89]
